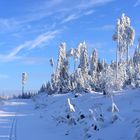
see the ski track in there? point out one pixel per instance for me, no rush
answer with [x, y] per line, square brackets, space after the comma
[11, 124]
[12, 135]
[20, 121]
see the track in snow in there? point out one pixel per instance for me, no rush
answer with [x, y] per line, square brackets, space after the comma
[12, 135]
[20, 121]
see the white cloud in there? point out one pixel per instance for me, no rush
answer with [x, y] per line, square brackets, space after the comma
[70, 18]
[43, 38]
[92, 3]
[137, 3]
[76, 15]
[74, 10]
[34, 43]
[83, 8]
[89, 12]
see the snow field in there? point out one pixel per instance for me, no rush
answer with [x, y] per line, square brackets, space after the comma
[54, 110]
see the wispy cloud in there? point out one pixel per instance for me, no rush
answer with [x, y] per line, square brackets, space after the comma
[70, 18]
[92, 3]
[83, 9]
[46, 9]
[35, 43]
[74, 10]
[77, 15]
[89, 12]
[137, 3]
[28, 45]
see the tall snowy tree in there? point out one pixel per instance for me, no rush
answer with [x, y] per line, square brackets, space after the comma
[104, 64]
[108, 81]
[136, 57]
[130, 71]
[124, 36]
[61, 57]
[137, 76]
[80, 81]
[93, 62]
[83, 64]
[93, 66]
[61, 75]
[136, 60]
[83, 59]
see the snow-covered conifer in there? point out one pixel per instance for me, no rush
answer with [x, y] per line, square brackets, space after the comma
[61, 75]
[136, 57]
[108, 80]
[83, 58]
[113, 64]
[76, 55]
[124, 36]
[79, 79]
[83, 65]
[137, 76]
[43, 88]
[49, 88]
[93, 62]
[61, 57]
[52, 64]
[100, 66]
[104, 64]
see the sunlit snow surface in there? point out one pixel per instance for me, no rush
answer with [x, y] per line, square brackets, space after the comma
[35, 119]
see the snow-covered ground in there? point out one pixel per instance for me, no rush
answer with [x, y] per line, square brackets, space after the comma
[53, 110]
[46, 117]
[19, 121]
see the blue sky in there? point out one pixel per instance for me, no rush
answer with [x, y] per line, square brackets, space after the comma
[31, 31]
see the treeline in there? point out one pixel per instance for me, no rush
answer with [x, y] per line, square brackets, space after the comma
[93, 74]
